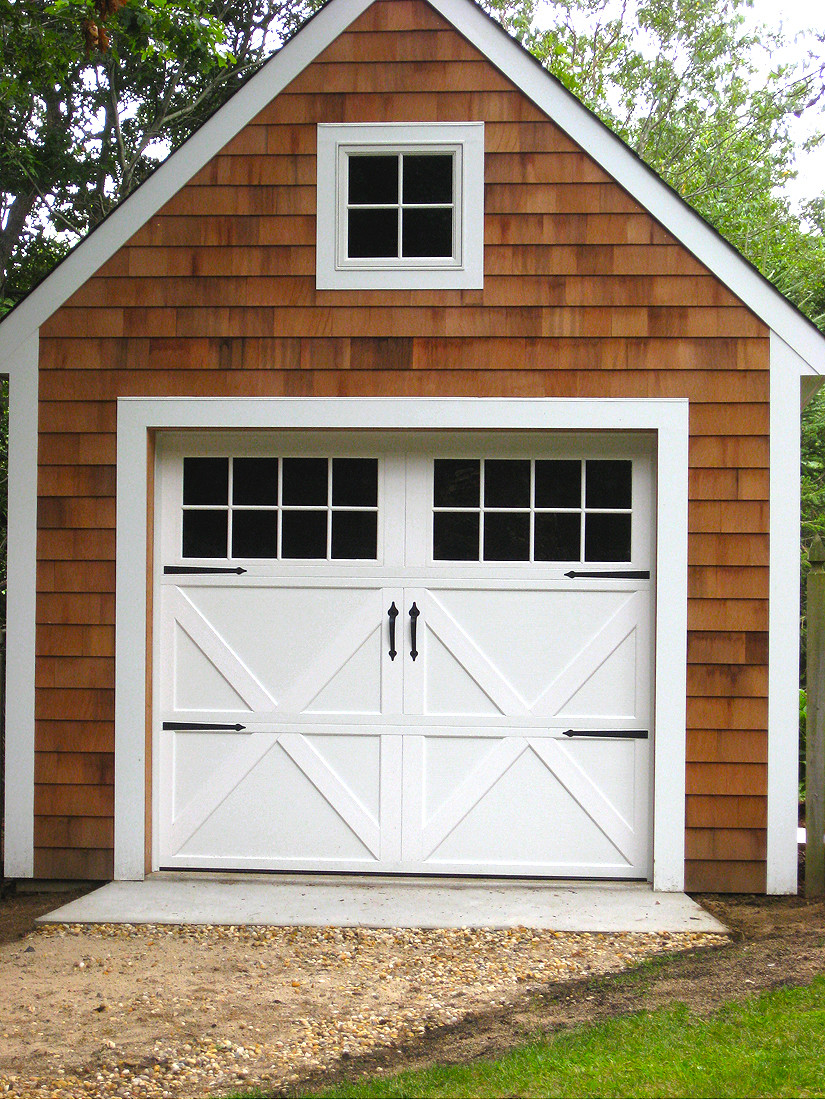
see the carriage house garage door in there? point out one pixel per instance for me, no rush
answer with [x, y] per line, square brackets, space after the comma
[404, 653]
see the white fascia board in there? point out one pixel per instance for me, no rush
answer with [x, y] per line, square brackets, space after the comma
[20, 611]
[783, 622]
[90, 255]
[139, 416]
[642, 183]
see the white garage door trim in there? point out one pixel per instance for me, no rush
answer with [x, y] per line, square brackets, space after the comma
[139, 417]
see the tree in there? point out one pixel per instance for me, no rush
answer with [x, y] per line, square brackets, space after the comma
[94, 93]
[700, 99]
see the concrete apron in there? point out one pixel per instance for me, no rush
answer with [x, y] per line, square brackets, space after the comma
[387, 902]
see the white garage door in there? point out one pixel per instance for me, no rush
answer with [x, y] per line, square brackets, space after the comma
[404, 655]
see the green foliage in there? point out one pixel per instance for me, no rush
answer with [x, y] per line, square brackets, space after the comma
[81, 126]
[765, 1046]
[703, 102]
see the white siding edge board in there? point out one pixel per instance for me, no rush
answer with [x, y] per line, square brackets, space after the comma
[671, 651]
[548, 94]
[20, 611]
[783, 620]
[137, 417]
[130, 646]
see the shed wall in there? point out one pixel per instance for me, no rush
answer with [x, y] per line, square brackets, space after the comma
[585, 295]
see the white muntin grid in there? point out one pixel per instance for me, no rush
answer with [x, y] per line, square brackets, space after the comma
[278, 510]
[532, 510]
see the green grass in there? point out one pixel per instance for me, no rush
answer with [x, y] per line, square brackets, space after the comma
[766, 1046]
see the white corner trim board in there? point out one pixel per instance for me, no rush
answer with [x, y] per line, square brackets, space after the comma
[20, 612]
[138, 418]
[783, 620]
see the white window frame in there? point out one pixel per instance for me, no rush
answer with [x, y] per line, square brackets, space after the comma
[335, 270]
[139, 418]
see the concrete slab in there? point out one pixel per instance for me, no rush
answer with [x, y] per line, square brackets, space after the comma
[388, 902]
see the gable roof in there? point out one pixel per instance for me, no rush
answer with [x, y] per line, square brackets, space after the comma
[546, 92]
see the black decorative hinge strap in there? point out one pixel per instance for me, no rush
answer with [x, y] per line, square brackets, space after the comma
[615, 574]
[638, 735]
[205, 726]
[194, 570]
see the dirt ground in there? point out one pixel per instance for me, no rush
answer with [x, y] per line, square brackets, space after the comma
[122, 1011]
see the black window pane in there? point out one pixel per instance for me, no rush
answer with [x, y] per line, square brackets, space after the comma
[305, 481]
[456, 483]
[373, 179]
[558, 536]
[354, 535]
[204, 534]
[255, 481]
[608, 483]
[426, 233]
[428, 178]
[304, 535]
[606, 537]
[372, 234]
[254, 534]
[355, 481]
[558, 484]
[455, 536]
[506, 536]
[506, 483]
[205, 480]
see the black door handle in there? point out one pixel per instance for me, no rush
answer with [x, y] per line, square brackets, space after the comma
[392, 615]
[414, 613]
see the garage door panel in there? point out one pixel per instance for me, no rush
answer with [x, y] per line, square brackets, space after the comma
[273, 650]
[470, 682]
[448, 680]
[198, 683]
[277, 798]
[299, 824]
[526, 806]
[527, 633]
[608, 692]
[603, 677]
[477, 662]
[353, 689]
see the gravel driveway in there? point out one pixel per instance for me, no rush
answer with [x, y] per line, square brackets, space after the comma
[151, 1010]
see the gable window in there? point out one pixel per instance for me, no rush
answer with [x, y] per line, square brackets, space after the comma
[400, 206]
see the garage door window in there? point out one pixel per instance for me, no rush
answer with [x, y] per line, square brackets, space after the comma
[288, 508]
[532, 510]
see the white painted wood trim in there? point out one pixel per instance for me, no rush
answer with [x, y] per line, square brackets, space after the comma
[783, 621]
[130, 646]
[20, 611]
[671, 654]
[137, 417]
[465, 271]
